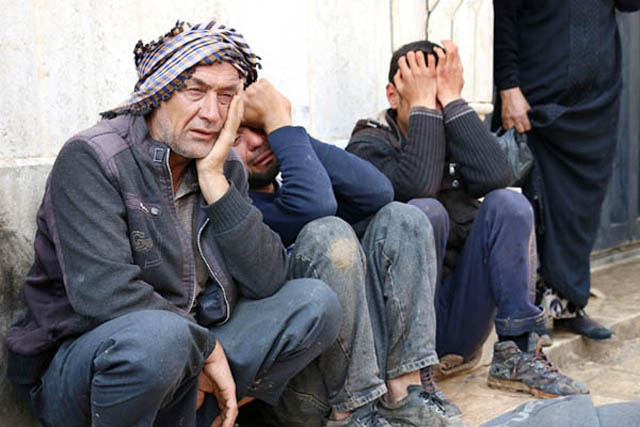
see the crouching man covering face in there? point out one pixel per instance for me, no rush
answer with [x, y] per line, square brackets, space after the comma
[152, 264]
[441, 158]
[385, 280]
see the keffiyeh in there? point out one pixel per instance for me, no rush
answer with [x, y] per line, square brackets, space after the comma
[164, 65]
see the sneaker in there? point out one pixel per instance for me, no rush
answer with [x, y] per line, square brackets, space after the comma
[364, 416]
[417, 409]
[434, 393]
[530, 372]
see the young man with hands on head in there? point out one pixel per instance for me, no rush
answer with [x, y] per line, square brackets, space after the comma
[441, 158]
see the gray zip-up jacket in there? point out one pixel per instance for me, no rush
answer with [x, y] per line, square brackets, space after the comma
[109, 242]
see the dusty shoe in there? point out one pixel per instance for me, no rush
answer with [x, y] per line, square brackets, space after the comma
[365, 416]
[434, 393]
[453, 364]
[531, 371]
[417, 409]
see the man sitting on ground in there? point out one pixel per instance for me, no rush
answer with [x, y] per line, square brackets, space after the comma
[385, 282]
[432, 145]
[152, 263]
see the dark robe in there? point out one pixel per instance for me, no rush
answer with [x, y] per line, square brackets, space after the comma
[565, 56]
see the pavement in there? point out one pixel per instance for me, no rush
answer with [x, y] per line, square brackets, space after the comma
[610, 368]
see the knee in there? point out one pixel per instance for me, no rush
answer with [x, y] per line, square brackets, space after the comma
[320, 307]
[404, 219]
[332, 239]
[510, 205]
[158, 349]
[436, 213]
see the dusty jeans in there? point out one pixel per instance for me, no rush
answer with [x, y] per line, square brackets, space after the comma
[386, 287]
[141, 369]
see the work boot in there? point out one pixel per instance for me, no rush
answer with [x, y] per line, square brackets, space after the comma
[434, 393]
[364, 416]
[417, 409]
[586, 326]
[530, 371]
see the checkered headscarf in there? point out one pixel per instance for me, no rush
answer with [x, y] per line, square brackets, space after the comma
[165, 64]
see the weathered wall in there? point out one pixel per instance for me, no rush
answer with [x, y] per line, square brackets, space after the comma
[64, 62]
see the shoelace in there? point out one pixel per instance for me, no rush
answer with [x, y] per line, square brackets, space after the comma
[540, 356]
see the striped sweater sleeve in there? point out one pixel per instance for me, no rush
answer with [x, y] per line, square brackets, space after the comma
[479, 159]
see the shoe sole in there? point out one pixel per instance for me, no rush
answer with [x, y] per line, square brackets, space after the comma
[440, 373]
[519, 387]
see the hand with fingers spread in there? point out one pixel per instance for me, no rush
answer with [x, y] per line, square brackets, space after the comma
[211, 179]
[515, 109]
[216, 378]
[449, 72]
[416, 79]
[265, 108]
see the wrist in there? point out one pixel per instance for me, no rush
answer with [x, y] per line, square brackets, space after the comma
[213, 186]
[277, 123]
[446, 98]
[423, 102]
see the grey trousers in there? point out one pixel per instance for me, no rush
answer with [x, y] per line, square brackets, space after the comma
[141, 369]
[386, 286]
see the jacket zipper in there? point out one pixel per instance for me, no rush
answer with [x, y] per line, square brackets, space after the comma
[192, 287]
[224, 293]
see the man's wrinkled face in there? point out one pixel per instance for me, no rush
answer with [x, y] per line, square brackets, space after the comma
[191, 120]
[253, 147]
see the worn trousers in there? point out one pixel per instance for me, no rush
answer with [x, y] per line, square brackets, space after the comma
[493, 280]
[141, 369]
[386, 286]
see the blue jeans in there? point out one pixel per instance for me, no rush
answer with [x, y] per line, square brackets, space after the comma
[493, 280]
[142, 368]
[386, 286]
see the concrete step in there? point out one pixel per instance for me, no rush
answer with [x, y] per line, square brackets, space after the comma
[611, 368]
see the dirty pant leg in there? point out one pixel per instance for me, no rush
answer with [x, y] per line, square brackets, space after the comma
[268, 341]
[401, 263]
[439, 219]
[492, 280]
[346, 376]
[139, 369]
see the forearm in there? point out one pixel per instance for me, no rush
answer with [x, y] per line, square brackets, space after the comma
[360, 188]
[474, 149]
[506, 63]
[252, 252]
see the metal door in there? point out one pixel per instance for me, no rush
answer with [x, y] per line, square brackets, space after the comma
[620, 223]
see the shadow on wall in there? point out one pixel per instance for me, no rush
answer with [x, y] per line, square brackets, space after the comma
[16, 256]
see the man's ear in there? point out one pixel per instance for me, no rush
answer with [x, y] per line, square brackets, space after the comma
[393, 96]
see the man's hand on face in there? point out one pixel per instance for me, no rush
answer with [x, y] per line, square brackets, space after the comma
[265, 108]
[216, 378]
[514, 110]
[449, 73]
[416, 79]
[211, 179]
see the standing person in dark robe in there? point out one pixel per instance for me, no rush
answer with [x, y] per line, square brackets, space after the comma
[558, 73]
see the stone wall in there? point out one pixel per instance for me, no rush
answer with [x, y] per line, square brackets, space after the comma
[64, 62]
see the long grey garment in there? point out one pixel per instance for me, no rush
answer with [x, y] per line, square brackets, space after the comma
[572, 411]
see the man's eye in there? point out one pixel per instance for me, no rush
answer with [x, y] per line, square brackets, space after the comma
[224, 98]
[237, 141]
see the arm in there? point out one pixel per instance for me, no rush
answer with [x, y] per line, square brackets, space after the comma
[239, 231]
[101, 278]
[416, 169]
[515, 107]
[360, 188]
[216, 378]
[479, 159]
[305, 193]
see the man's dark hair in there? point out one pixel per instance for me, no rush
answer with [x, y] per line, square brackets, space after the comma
[424, 46]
